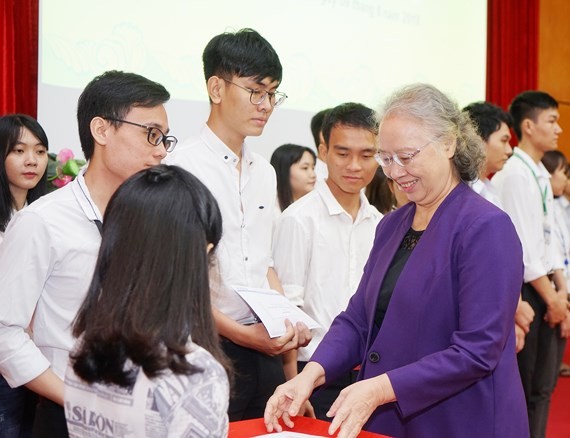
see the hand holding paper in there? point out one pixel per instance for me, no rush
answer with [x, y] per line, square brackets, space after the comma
[273, 309]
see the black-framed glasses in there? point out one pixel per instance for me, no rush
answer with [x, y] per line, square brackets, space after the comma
[400, 158]
[258, 96]
[155, 136]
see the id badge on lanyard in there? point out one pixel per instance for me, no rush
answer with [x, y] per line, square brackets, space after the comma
[547, 229]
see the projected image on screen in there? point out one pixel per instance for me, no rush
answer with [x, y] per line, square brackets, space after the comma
[332, 51]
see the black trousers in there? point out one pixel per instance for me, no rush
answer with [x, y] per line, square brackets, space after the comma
[17, 408]
[324, 396]
[50, 420]
[539, 362]
[256, 376]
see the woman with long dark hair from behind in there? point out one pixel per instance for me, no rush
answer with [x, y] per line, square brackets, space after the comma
[23, 162]
[148, 358]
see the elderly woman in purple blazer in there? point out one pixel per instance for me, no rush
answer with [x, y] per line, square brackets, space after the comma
[431, 324]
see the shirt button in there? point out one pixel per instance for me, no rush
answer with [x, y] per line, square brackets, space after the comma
[374, 357]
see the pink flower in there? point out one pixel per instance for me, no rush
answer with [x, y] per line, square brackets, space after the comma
[64, 156]
[62, 181]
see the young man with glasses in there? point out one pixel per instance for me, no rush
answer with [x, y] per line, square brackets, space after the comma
[242, 72]
[322, 241]
[50, 248]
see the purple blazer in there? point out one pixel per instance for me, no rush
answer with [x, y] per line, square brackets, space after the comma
[447, 341]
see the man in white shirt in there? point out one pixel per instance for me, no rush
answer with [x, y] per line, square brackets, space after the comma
[242, 72]
[494, 125]
[322, 241]
[317, 130]
[525, 194]
[50, 248]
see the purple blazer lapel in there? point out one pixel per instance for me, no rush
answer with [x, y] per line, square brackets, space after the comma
[422, 257]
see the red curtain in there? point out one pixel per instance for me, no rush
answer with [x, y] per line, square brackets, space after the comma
[512, 49]
[18, 56]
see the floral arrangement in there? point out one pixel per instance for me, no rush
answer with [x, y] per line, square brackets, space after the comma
[62, 168]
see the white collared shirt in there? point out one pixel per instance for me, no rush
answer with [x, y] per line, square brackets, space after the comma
[320, 253]
[521, 186]
[247, 204]
[561, 242]
[565, 207]
[487, 190]
[47, 261]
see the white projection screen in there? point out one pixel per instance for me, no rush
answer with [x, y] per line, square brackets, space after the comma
[332, 51]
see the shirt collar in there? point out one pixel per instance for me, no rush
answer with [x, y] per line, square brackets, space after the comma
[81, 193]
[538, 168]
[335, 208]
[224, 152]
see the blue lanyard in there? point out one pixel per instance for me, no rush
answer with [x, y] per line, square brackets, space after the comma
[542, 192]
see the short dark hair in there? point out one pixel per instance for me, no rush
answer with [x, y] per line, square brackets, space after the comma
[244, 53]
[282, 159]
[350, 114]
[11, 127]
[150, 288]
[487, 118]
[528, 105]
[317, 124]
[113, 94]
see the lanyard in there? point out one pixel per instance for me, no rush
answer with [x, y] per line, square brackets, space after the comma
[542, 192]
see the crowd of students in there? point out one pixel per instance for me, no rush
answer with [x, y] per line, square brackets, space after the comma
[452, 303]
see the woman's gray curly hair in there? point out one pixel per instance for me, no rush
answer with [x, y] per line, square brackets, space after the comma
[442, 116]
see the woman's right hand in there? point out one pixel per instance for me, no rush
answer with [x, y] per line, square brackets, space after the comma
[289, 398]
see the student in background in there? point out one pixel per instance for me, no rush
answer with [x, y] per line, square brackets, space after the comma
[317, 132]
[525, 194]
[243, 73]
[493, 125]
[564, 205]
[54, 242]
[557, 165]
[295, 170]
[148, 355]
[383, 194]
[23, 163]
[322, 241]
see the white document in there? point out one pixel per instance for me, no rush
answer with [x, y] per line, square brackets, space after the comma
[273, 309]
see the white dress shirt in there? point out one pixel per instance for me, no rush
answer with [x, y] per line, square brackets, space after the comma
[526, 196]
[565, 207]
[561, 238]
[247, 203]
[14, 211]
[47, 261]
[487, 190]
[320, 253]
